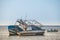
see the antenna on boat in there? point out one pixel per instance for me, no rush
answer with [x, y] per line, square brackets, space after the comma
[25, 16]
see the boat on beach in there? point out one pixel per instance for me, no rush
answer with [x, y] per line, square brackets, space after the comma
[25, 29]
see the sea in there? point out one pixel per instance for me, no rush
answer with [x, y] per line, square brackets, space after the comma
[4, 34]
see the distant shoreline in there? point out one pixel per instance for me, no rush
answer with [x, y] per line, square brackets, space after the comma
[42, 25]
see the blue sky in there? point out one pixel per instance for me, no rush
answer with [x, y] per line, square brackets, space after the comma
[44, 11]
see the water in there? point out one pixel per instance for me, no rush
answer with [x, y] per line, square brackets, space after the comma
[4, 35]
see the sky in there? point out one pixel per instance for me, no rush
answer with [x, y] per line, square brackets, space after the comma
[44, 11]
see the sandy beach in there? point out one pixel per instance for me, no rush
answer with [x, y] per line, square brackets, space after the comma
[50, 37]
[4, 35]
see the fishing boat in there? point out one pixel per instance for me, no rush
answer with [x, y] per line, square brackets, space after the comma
[25, 29]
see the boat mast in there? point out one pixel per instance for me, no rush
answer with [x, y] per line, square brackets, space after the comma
[22, 24]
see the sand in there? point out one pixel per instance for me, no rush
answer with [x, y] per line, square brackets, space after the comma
[4, 35]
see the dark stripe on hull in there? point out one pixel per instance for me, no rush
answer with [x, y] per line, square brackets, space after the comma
[26, 34]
